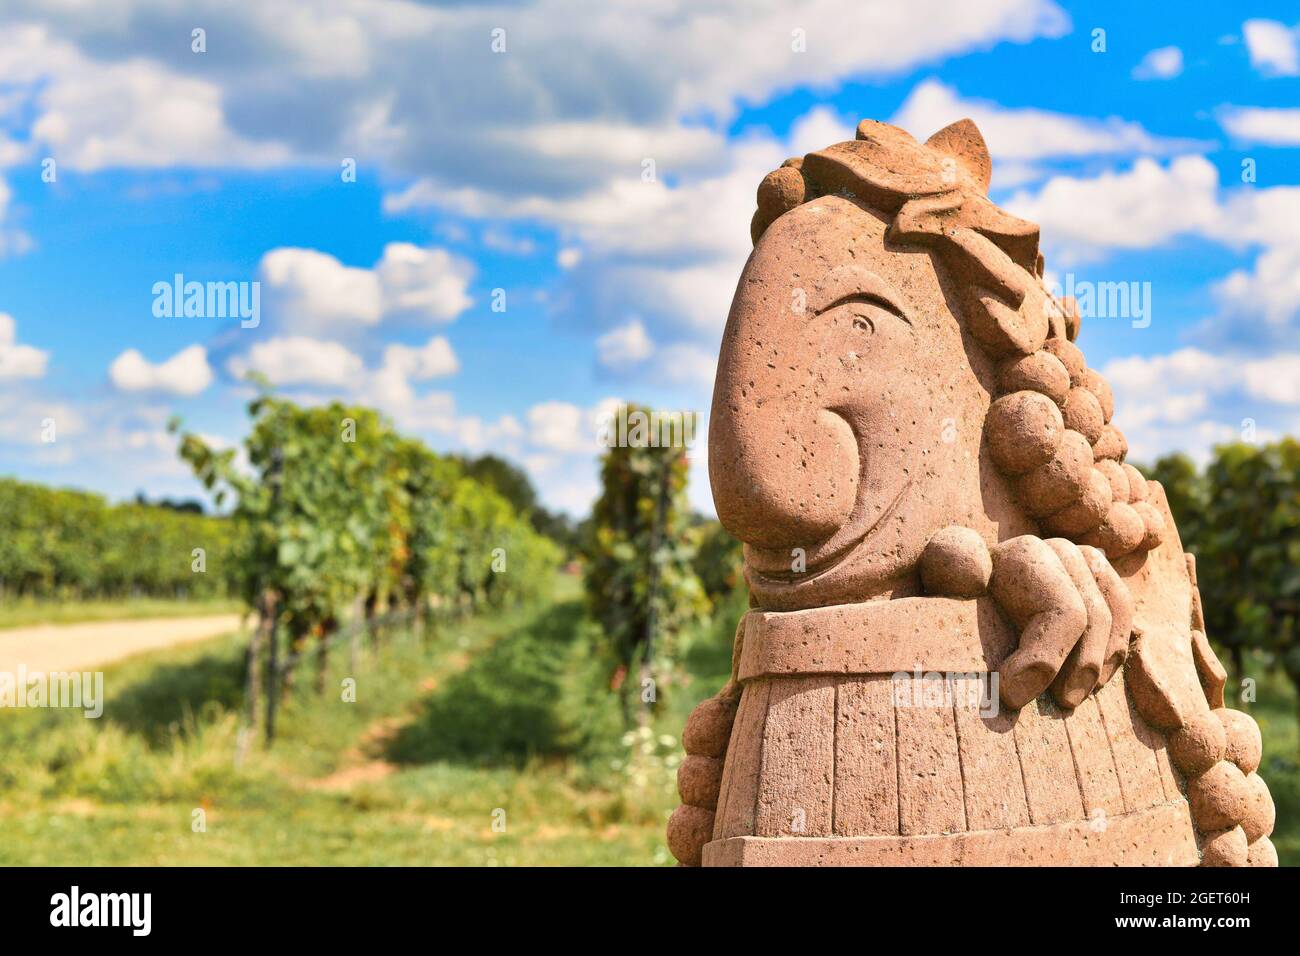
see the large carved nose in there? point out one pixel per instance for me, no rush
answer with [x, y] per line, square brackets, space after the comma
[784, 469]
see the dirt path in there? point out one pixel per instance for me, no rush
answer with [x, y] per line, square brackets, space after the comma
[73, 647]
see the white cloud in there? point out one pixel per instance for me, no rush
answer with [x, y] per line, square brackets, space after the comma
[630, 215]
[1176, 386]
[434, 359]
[602, 144]
[1275, 378]
[666, 254]
[589, 90]
[1026, 134]
[18, 361]
[1150, 376]
[1270, 290]
[557, 427]
[628, 349]
[12, 152]
[558, 444]
[1163, 63]
[1258, 124]
[1151, 205]
[498, 240]
[475, 434]
[573, 494]
[624, 346]
[23, 418]
[298, 360]
[620, 86]
[1010, 174]
[114, 442]
[818, 128]
[391, 385]
[688, 364]
[1190, 400]
[315, 370]
[186, 373]
[1143, 207]
[1259, 216]
[560, 427]
[1259, 306]
[135, 112]
[1274, 47]
[311, 291]
[425, 284]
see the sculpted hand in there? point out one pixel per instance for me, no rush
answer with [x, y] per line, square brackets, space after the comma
[1073, 612]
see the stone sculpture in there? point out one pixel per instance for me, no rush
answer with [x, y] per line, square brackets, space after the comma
[934, 502]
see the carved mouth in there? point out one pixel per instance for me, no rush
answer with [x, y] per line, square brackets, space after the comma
[830, 562]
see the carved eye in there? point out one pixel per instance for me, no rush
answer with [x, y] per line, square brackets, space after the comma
[867, 310]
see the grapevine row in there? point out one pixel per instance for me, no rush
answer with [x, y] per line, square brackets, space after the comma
[57, 544]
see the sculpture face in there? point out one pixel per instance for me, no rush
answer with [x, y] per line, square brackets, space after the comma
[859, 361]
[832, 416]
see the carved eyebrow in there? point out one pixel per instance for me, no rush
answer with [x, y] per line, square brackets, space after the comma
[852, 283]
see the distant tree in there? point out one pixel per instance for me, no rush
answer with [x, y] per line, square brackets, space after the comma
[509, 481]
[1185, 488]
[186, 506]
[1252, 569]
[557, 526]
[512, 483]
[1241, 518]
[639, 581]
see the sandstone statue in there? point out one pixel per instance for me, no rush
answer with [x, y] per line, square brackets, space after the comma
[974, 636]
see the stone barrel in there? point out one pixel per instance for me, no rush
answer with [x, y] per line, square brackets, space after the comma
[871, 734]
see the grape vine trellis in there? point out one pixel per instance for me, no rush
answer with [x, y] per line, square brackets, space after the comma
[639, 582]
[336, 514]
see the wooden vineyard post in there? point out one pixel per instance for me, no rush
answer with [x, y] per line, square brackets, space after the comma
[273, 631]
[652, 585]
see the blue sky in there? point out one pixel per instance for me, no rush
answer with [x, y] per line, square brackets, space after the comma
[523, 170]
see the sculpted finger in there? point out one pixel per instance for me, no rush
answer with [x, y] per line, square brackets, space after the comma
[1078, 677]
[1035, 591]
[1120, 602]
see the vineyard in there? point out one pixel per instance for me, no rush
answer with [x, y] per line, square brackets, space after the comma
[337, 516]
[74, 546]
[485, 680]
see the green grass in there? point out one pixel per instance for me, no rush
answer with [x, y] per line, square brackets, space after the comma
[369, 782]
[26, 612]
